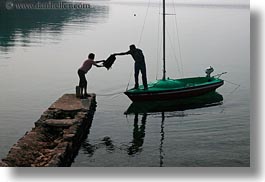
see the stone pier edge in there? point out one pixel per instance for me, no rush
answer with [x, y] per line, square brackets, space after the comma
[57, 136]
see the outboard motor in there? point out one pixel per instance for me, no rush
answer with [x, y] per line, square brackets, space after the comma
[208, 71]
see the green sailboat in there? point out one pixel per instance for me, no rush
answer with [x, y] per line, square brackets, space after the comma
[168, 89]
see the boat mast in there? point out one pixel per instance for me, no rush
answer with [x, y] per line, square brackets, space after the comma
[164, 40]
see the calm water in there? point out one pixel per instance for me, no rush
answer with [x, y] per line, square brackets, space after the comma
[40, 52]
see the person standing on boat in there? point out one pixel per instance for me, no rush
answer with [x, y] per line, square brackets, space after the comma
[139, 65]
[87, 65]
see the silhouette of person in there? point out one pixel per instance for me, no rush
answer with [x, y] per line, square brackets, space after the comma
[138, 135]
[139, 65]
[87, 65]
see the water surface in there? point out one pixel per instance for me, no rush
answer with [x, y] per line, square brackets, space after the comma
[40, 52]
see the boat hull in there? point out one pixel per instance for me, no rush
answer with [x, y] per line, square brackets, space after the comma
[174, 94]
[180, 104]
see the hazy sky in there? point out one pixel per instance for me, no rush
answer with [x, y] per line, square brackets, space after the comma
[194, 1]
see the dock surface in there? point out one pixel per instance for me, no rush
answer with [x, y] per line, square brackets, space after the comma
[57, 135]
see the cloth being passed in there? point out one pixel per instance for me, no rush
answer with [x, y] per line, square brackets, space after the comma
[109, 61]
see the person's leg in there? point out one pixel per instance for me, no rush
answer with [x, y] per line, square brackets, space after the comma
[136, 74]
[81, 92]
[85, 87]
[86, 94]
[82, 82]
[144, 77]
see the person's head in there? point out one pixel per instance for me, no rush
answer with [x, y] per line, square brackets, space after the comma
[91, 56]
[132, 47]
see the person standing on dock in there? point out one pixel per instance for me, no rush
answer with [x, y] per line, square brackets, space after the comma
[139, 65]
[87, 65]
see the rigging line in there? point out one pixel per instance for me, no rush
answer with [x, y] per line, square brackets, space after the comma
[220, 74]
[237, 86]
[229, 94]
[129, 79]
[176, 23]
[180, 55]
[115, 96]
[111, 94]
[231, 82]
[228, 99]
[172, 47]
[139, 42]
[234, 89]
[158, 41]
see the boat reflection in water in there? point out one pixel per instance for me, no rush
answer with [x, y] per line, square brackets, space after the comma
[160, 107]
[207, 100]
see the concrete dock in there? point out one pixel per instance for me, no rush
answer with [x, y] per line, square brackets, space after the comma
[57, 135]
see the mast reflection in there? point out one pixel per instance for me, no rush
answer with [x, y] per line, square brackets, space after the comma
[161, 107]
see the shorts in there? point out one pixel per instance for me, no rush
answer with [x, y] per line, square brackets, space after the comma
[82, 79]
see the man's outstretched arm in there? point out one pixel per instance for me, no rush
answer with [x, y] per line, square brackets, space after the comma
[99, 61]
[121, 54]
[95, 63]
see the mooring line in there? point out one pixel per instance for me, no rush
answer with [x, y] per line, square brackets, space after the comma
[237, 86]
